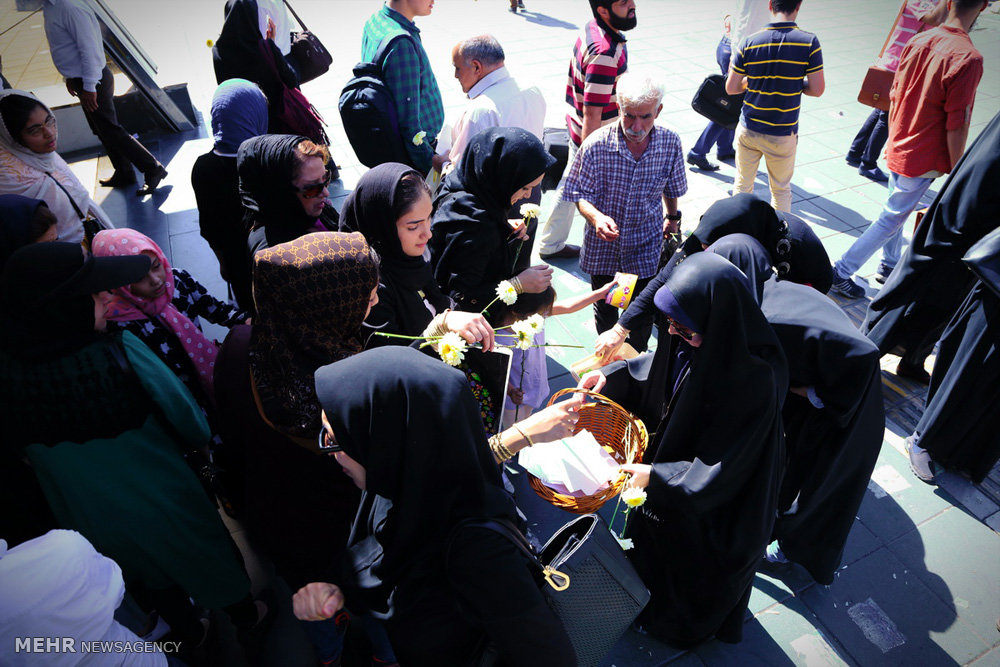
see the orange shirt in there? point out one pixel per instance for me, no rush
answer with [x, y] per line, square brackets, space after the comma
[933, 92]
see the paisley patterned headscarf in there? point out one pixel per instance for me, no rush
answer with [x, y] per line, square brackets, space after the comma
[311, 296]
[125, 306]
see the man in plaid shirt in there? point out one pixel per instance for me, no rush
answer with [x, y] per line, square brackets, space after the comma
[622, 177]
[408, 74]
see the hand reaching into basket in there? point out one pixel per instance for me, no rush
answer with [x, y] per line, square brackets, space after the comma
[640, 474]
[594, 381]
[553, 423]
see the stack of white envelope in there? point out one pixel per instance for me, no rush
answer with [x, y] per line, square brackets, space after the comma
[576, 466]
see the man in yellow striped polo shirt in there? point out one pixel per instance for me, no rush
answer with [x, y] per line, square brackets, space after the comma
[775, 67]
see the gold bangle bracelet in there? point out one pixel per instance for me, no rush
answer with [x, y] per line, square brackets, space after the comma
[523, 435]
[516, 283]
[500, 451]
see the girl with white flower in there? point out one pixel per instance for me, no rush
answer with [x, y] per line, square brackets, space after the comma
[391, 206]
[523, 329]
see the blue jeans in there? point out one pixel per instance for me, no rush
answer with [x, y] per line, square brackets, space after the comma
[867, 145]
[713, 134]
[887, 231]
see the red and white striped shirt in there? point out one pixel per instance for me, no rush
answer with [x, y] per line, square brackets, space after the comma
[599, 58]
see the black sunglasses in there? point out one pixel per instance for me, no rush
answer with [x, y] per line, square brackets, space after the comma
[680, 329]
[326, 444]
[314, 190]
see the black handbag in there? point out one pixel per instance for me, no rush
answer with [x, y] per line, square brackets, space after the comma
[586, 579]
[556, 142]
[311, 57]
[714, 103]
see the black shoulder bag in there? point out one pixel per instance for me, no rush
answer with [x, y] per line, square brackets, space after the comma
[585, 578]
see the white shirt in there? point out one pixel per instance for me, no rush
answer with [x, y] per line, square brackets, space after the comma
[282, 23]
[59, 586]
[75, 41]
[751, 16]
[497, 101]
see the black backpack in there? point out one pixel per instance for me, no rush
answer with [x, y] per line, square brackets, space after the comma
[369, 112]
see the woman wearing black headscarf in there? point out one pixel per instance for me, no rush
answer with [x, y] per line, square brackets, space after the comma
[474, 247]
[959, 427]
[834, 422]
[104, 422]
[391, 206]
[714, 464]
[283, 187]
[795, 251]
[930, 281]
[408, 432]
[23, 221]
[748, 255]
[240, 52]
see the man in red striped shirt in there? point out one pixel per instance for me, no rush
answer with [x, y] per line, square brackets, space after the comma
[599, 58]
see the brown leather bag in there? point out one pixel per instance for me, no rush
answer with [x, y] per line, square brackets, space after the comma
[878, 81]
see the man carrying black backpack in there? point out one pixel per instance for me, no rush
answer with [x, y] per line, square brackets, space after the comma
[405, 70]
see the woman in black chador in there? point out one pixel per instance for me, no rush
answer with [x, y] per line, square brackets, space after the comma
[713, 467]
[834, 421]
[960, 423]
[793, 249]
[406, 429]
[930, 281]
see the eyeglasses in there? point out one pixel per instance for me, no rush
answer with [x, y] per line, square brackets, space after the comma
[680, 329]
[326, 444]
[314, 190]
[36, 130]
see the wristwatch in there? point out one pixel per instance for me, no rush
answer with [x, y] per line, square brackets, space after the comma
[676, 217]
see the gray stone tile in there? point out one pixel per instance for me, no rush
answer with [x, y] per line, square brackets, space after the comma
[896, 502]
[639, 650]
[821, 220]
[860, 543]
[964, 493]
[883, 613]
[988, 659]
[956, 557]
[789, 634]
[993, 521]
[775, 584]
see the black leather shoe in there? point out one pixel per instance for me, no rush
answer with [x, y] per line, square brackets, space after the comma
[853, 161]
[152, 182]
[874, 174]
[568, 251]
[701, 162]
[118, 180]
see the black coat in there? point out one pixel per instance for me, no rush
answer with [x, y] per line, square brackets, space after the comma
[930, 282]
[831, 450]
[717, 456]
[960, 421]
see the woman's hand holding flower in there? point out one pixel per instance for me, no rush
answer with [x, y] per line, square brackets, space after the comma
[473, 327]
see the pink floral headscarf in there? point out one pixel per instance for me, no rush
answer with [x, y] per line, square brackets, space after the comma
[124, 306]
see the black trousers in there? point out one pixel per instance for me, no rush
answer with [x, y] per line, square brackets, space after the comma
[123, 149]
[606, 315]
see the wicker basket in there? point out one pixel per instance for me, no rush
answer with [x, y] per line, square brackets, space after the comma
[616, 430]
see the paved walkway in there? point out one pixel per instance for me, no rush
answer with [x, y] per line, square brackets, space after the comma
[920, 582]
